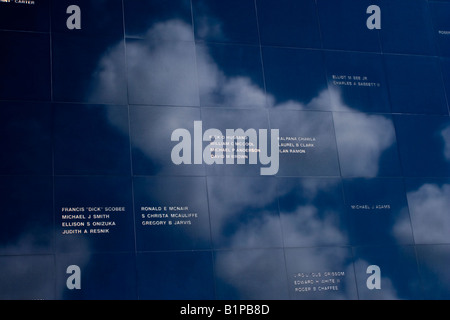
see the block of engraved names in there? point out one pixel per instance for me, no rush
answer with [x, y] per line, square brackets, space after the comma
[321, 273]
[93, 214]
[357, 81]
[307, 143]
[171, 213]
[387, 273]
[239, 141]
[378, 211]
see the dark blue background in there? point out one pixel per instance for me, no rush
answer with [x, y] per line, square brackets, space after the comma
[86, 118]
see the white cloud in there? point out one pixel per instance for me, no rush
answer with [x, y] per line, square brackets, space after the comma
[308, 227]
[362, 139]
[159, 70]
[429, 214]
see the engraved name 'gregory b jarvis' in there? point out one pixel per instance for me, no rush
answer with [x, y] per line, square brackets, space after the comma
[236, 145]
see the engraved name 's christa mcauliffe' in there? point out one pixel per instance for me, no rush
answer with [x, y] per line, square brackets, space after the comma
[235, 144]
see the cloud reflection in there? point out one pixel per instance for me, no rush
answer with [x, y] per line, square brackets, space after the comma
[160, 73]
[429, 213]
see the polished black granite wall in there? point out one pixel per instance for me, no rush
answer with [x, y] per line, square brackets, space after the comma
[359, 208]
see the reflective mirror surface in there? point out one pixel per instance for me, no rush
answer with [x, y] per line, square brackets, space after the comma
[239, 149]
